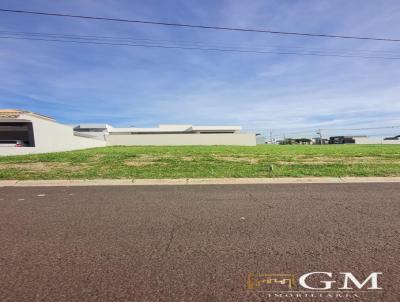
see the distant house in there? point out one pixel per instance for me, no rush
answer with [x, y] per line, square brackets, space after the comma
[342, 140]
[295, 141]
[319, 141]
[362, 140]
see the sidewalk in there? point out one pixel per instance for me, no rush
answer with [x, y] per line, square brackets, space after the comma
[194, 181]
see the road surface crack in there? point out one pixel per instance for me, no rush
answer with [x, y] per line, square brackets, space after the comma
[173, 232]
[256, 200]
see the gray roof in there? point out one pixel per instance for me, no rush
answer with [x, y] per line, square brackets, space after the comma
[92, 126]
[13, 120]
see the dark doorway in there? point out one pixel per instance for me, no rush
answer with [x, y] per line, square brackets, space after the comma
[17, 131]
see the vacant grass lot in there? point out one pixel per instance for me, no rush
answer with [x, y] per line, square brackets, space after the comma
[206, 161]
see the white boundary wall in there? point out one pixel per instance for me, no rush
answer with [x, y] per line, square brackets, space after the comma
[51, 136]
[186, 139]
[375, 141]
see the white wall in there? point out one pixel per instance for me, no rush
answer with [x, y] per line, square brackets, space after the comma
[375, 140]
[239, 139]
[51, 136]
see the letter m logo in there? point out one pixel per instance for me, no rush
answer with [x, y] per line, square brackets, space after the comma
[372, 280]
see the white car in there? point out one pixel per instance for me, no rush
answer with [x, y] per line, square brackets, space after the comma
[11, 143]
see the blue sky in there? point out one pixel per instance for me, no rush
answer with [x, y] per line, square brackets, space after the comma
[126, 86]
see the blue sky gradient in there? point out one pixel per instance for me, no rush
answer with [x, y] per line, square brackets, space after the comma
[126, 86]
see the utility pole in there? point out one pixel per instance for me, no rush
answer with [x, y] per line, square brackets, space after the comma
[270, 136]
[320, 136]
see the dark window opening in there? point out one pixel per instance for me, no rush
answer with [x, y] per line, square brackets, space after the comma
[89, 130]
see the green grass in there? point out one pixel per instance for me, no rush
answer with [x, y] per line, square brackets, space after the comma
[207, 161]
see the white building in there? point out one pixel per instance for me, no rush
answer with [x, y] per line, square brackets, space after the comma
[174, 135]
[24, 132]
[97, 131]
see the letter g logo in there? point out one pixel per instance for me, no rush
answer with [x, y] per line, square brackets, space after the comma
[328, 284]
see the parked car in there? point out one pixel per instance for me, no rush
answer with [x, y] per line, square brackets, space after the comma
[12, 143]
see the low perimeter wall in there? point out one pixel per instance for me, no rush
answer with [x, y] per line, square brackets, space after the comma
[238, 139]
[375, 141]
[74, 143]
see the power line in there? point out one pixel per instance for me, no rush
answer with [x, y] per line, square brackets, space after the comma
[370, 128]
[166, 46]
[254, 47]
[328, 129]
[224, 28]
[315, 130]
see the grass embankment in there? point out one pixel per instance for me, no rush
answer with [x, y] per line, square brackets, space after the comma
[206, 161]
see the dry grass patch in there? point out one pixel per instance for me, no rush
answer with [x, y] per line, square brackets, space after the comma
[97, 157]
[44, 166]
[137, 163]
[148, 160]
[145, 160]
[320, 160]
[248, 160]
[187, 158]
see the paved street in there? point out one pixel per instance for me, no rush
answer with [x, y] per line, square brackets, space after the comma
[194, 243]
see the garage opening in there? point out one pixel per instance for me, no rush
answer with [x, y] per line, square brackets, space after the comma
[17, 133]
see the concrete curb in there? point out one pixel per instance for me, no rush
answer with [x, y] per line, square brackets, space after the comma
[195, 181]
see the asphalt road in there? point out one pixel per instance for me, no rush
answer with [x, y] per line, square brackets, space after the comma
[196, 243]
